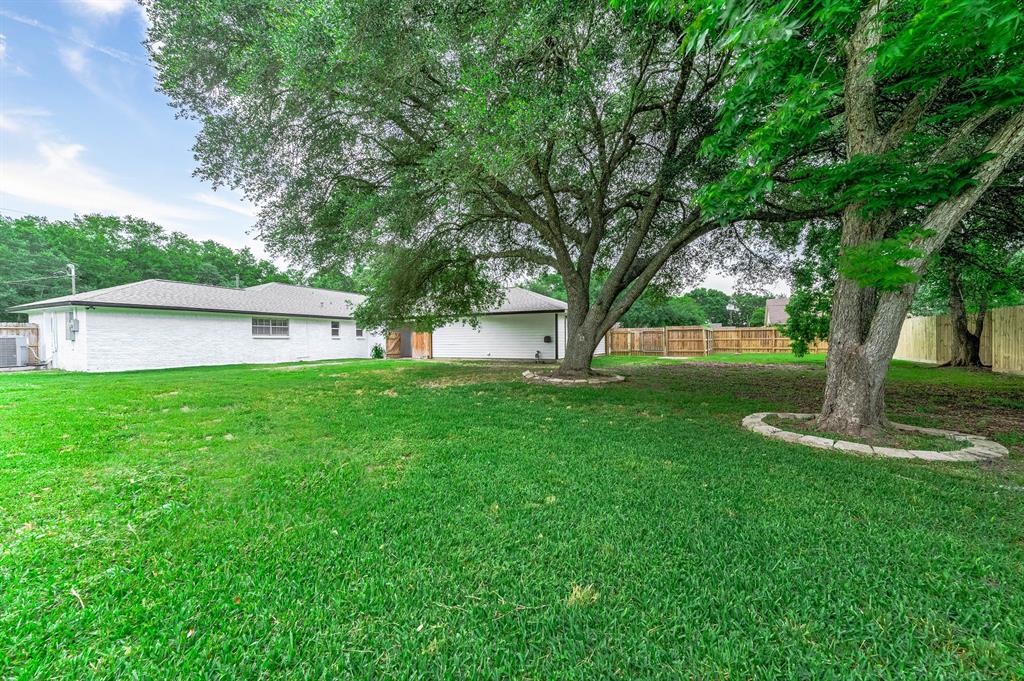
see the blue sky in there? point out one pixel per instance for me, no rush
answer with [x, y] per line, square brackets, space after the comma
[82, 128]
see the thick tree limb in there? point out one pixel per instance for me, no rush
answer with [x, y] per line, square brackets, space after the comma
[909, 118]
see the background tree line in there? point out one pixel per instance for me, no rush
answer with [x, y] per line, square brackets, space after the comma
[657, 306]
[109, 251]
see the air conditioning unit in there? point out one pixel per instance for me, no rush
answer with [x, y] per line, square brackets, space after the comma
[13, 351]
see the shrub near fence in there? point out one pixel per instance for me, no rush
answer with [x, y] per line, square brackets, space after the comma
[698, 341]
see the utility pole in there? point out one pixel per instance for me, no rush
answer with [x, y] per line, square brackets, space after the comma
[71, 273]
[238, 283]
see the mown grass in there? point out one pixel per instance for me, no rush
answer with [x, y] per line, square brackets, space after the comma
[401, 519]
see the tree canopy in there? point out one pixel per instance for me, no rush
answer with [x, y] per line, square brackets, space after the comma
[450, 146]
[982, 261]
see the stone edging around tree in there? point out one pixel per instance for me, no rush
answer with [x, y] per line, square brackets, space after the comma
[555, 380]
[979, 449]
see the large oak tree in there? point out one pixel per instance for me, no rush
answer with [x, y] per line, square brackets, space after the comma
[452, 145]
[911, 110]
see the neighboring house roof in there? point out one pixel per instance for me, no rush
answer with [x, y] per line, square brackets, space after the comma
[775, 311]
[272, 299]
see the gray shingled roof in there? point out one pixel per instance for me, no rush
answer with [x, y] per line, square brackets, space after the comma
[272, 298]
[775, 311]
[521, 300]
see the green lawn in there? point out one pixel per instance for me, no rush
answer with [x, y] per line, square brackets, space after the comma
[399, 519]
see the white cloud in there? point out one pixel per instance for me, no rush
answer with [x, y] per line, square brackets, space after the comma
[74, 60]
[78, 39]
[20, 119]
[104, 81]
[57, 179]
[6, 63]
[234, 205]
[103, 8]
[28, 21]
[60, 155]
[60, 178]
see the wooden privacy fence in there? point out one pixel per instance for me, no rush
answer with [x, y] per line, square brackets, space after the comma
[1007, 339]
[924, 339]
[930, 340]
[31, 331]
[672, 341]
[697, 341]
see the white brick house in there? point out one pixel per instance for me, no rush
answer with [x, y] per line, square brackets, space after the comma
[157, 324]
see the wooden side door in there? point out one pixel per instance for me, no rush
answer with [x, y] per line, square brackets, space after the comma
[394, 345]
[422, 345]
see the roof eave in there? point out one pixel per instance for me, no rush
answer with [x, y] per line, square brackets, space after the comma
[135, 306]
[45, 304]
[500, 312]
[92, 303]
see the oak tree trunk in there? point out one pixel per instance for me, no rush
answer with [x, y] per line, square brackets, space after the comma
[854, 401]
[862, 340]
[582, 334]
[966, 350]
[863, 333]
[578, 356]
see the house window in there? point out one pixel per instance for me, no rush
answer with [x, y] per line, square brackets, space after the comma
[335, 329]
[269, 328]
[359, 333]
